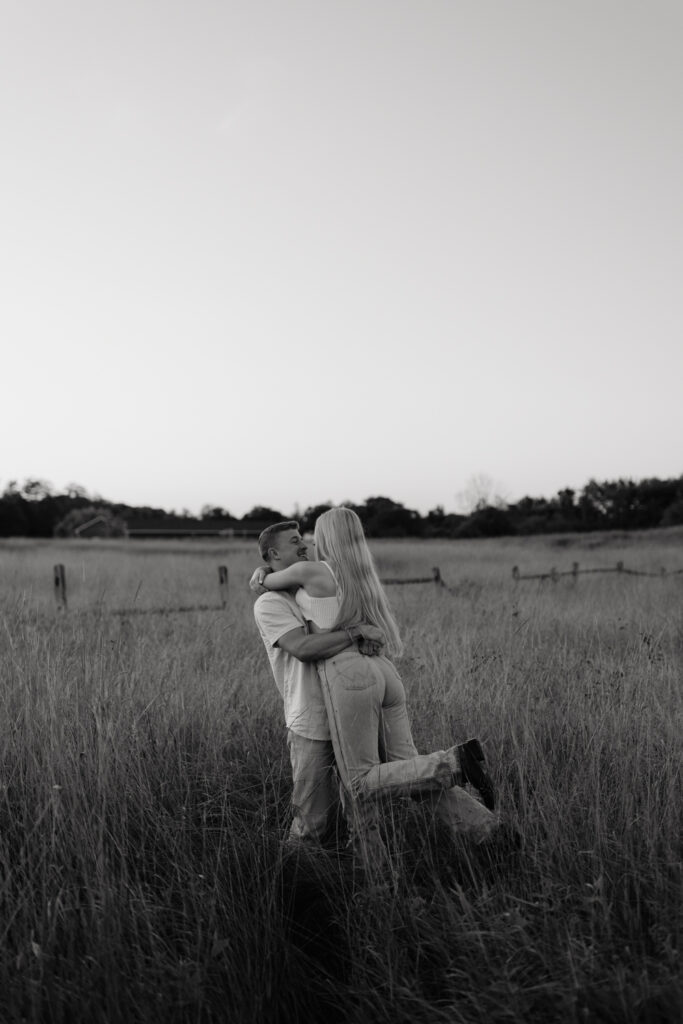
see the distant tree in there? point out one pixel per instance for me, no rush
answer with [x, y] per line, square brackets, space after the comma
[620, 503]
[14, 521]
[565, 499]
[486, 522]
[626, 504]
[452, 523]
[307, 518]
[531, 524]
[143, 514]
[525, 506]
[673, 514]
[36, 490]
[653, 498]
[261, 513]
[434, 523]
[530, 515]
[593, 506]
[439, 523]
[33, 515]
[479, 492]
[76, 491]
[214, 512]
[382, 517]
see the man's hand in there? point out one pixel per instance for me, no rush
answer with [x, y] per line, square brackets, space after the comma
[370, 647]
[258, 576]
[372, 633]
[370, 639]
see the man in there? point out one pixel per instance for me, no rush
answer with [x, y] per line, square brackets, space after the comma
[293, 651]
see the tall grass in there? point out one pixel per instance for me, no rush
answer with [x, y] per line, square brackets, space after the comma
[145, 788]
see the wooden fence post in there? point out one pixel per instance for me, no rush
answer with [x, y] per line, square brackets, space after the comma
[620, 566]
[60, 587]
[554, 575]
[515, 573]
[223, 584]
[575, 571]
[436, 573]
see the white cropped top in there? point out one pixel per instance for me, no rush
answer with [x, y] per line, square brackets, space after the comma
[321, 612]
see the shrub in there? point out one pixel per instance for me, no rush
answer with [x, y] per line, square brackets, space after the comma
[108, 525]
[673, 515]
[486, 522]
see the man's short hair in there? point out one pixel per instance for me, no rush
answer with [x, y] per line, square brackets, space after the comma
[266, 536]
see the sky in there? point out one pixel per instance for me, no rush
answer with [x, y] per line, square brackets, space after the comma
[289, 252]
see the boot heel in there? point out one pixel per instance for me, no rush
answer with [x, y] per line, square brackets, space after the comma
[475, 749]
[473, 766]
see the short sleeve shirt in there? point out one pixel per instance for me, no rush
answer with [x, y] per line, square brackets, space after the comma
[276, 614]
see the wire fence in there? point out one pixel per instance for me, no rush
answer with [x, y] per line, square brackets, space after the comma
[555, 575]
[60, 586]
[60, 591]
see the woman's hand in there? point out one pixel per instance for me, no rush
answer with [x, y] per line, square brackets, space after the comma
[258, 576]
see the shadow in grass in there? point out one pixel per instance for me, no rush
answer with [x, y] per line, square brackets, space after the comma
[624, 1001]
[313, 887]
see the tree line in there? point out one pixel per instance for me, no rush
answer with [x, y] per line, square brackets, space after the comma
[33, 510]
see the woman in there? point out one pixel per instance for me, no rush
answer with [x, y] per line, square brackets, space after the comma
[365, 698]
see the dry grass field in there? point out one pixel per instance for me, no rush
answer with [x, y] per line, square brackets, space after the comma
[144, 793]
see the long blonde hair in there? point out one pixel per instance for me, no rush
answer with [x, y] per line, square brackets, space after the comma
[340, 540]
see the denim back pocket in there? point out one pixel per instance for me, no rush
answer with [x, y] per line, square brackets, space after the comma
[354, 673]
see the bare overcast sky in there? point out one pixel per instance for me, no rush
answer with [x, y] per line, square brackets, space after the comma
[308, 249]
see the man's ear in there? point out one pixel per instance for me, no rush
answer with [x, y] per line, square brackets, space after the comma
[272, 556]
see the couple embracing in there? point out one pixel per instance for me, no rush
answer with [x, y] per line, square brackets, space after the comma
[328, 628]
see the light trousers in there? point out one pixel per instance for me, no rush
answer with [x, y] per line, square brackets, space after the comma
[315, 787]
[375, 752]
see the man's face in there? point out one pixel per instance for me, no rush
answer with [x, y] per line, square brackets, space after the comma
[288, 547]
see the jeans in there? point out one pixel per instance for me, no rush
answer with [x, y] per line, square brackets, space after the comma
[375, 752]
[315, 787]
